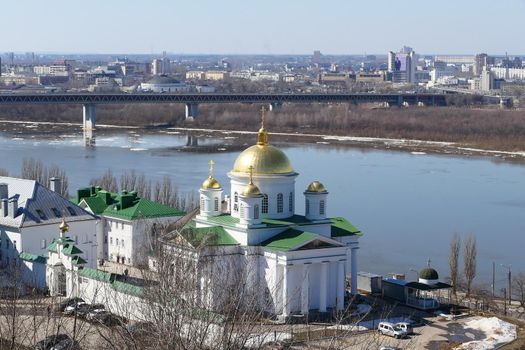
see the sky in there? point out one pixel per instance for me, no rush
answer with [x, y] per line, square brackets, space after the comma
[262, 26]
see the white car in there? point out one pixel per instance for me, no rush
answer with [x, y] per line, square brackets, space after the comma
[94, 314]
[390, 329]
[71, 308]
[407, 327]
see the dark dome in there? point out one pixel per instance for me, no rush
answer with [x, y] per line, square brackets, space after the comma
[162, 79]
[428, 274]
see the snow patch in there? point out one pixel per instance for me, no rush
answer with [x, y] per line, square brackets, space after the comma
[496, 331]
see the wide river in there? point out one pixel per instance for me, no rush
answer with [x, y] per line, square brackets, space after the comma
[408, 205]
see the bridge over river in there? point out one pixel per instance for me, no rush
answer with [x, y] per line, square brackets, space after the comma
[192, 100]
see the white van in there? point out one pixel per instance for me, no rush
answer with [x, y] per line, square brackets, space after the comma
[390, 329]
[407, 327]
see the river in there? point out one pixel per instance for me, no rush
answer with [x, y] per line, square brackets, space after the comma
[408, 205]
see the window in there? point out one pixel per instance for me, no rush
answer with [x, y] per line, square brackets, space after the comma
[14, 245]
[202, 204]
[111, 240]
[216, 204]
[290, 203]
[122, 242]
[71, 211]
[256, 211]
[41, 214]
[129, 261]
[321, 207]
[307, 207]
[105, 238]
[280, 203]
[43, 244]
[236, 197]
[56, 212]
[265, 204]
[117, 241]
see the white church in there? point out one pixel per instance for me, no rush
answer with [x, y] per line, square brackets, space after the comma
[295, 264]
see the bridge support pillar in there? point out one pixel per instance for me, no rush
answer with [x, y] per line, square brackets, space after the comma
[90, 116]
[273, 106]
[192, 110]
[400, 101]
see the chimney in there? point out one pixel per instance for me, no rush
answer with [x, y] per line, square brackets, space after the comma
[4, 193]
[4, 207]
[55, 184]
[13, 207]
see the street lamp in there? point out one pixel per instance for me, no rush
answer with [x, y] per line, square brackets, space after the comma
[510, 279]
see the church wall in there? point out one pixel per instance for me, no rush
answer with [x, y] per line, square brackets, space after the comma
[33, 274]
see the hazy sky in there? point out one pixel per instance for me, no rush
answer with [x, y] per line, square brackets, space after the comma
[262, 26]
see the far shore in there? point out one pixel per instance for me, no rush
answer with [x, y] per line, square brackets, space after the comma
[410, 145]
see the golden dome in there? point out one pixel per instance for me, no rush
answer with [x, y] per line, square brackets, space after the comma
[265, 159]
[316, 186]
[251, 190]
[210, 183]
[64, 227]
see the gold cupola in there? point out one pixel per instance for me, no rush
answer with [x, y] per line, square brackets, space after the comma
[263, 157]
[211, 183]
[251, 190]
[316, 187]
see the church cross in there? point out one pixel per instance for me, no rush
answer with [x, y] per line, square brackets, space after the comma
[263, 111]
[251, 174]
[211, 167]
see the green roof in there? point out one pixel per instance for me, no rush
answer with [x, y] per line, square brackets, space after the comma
[209, 236]
[77, 260]
[32, 257]
[342, 227]
[71, 249]
[96, 204]
[128, 288]
[124, 205]
[288, 240]
[96, 274]
[429, 273]
[63, 240]
[224, 219]
[52, 247]
[292, 220]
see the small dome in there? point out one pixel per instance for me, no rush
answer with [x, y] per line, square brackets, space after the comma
[251, 190]
[210, 184]
[265, 159]
[429, 274]
[316, 187]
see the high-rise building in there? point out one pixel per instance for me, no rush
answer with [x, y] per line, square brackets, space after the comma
[480, 62]
[402, 65]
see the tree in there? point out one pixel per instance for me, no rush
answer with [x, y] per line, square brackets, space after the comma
[469, 261]
[455, 246]
[518, 289]
[33, 169]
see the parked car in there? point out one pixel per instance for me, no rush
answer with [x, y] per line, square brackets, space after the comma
[407, 327]
[48, 342]
[93, 314]
[65, 303]
[84, 310]
[108, 319]
[388, 328]
[71, 309]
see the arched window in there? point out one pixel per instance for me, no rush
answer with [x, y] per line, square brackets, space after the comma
[280, 203]
[216, 204]
[290, 203]
[307, 207]
[235, 201]
[202, 204]
[321, 207]
[265, 204]
[256, 211]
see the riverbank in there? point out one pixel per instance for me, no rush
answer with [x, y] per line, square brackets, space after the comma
[228, 136]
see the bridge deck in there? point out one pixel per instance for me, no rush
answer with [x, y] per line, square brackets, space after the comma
[115, 98]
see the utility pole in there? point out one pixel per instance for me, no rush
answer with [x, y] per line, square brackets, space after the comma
[510, 282]
[493, 278]
[505, 301]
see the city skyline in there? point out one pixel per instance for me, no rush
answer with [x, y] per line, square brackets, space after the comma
[235, 27]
